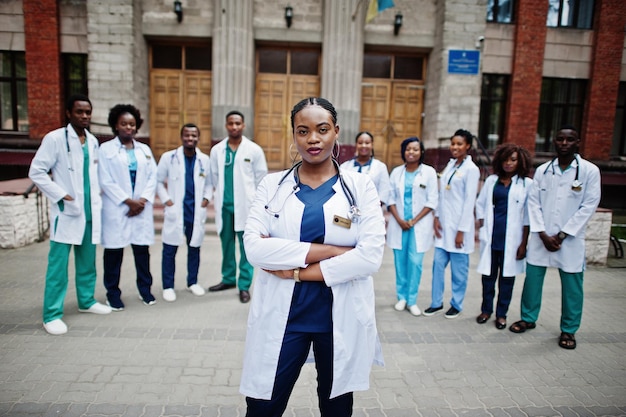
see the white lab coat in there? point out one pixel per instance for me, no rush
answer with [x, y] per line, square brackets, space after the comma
[379, 174]
[516, 219]
[249, 169]
[171, 174]
[554, 206]
[456, 205]
[424, 195]
[355, 337]
[119, 230]
[68, 226]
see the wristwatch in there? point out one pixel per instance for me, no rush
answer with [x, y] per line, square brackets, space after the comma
[561, 235]
[296, 274]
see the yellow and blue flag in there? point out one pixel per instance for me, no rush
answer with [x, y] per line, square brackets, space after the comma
[377, 6]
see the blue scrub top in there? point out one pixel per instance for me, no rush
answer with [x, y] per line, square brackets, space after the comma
[189, 201]
[132, 166]
[500, 210]
[312, 301]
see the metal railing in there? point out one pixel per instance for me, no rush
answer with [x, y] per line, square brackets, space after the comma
[43, 217]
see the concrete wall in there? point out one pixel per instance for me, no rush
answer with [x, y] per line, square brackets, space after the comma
[19, 216]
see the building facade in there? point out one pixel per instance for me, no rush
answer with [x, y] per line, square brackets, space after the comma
[507, 70]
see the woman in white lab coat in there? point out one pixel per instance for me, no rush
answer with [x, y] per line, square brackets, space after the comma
[454, 224]
[365, 163]
[502, 214]
[412, 199]
[127, 173]
[318, 234]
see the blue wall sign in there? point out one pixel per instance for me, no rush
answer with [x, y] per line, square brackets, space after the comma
[463, 62]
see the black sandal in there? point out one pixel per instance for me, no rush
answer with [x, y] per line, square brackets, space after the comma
[567, 341]
[521, 326]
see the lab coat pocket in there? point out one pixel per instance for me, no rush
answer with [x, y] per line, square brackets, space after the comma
[363, 300]
[169, 213]
[71, 208]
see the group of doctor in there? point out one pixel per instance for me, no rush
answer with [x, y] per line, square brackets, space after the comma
[425, 211]
[105, 194]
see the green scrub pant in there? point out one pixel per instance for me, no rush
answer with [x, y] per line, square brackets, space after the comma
[56, 276]
[229, 262]
[571, 297]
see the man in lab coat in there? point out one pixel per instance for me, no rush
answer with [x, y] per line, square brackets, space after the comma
[71, 154]
[237, 167]
[564, 195]
[184, 187]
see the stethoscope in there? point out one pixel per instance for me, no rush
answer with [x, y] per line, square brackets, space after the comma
[576, 185]
[69, 150]
[354, 213]
[175, 157]
[134, 148]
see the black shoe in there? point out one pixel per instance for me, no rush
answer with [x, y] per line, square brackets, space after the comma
[244, 296]
[432, 310]
[452, 313]
[500, 323]
[221, 287]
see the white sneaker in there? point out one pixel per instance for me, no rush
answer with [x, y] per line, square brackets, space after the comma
[97, 308]
[55, 327]
[400, 305]
[169, 295]
[196, 290]
[415, 310]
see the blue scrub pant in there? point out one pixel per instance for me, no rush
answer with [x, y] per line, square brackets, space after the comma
[505, 287]
[408, 263]
[459, 266]
[571, 297]
[293, 354]
[168, 261]
[112, 261]
[57, 277]
[229, 262]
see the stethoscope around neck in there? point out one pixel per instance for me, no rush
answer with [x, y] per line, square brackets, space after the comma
[353, 212]
[576, 183]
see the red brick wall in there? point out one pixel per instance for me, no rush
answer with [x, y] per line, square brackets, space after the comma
[599, 114]
[526, 75]
[43, 66]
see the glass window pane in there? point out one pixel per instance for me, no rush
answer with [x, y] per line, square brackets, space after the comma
[305, 62]
[585, 14]
[376, 66]
[198, 58]
[408, 68]
[5, 64]
[20, 64]
[167, 56]
[273, 61]
[553, 13]
[500, 11]
[6, 113]
[22, 107]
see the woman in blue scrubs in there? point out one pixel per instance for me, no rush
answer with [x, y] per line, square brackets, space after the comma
[317, 234]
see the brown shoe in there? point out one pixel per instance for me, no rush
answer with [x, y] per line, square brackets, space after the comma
[482, 318]
[500, 323]
[244, 296]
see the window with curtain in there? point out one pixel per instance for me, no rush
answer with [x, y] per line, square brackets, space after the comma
[562, 102]
[577, 14]
[13, 97]
[493, 97]
[500, 11]
[619, 129]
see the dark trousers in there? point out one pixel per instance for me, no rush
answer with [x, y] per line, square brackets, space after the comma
[505, 287]
[112, 261]
[168, 261]
[293, 355]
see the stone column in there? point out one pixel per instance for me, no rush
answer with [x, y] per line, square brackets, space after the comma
[233, 63]
[118, 60]
[342, 61]
[452, 100]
